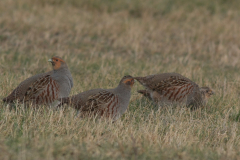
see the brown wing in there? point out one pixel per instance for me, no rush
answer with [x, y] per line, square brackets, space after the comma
[43, 91]
[173, 88]
[103, 102]
[172, 81]
[19, 92]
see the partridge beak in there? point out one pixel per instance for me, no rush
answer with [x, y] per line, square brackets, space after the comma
[50, 60]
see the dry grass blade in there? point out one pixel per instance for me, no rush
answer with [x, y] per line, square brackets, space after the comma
[103, 40]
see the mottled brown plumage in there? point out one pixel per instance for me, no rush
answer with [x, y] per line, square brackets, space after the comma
[19, 92]
[43, 91]
[103, 102]
[169, 88]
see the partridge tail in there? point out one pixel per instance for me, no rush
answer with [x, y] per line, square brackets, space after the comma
[145, 93]
[140, 79]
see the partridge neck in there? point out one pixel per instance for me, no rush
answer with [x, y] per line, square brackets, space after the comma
[124, 89]
[60, 73]
[62, 69]
[203, 96]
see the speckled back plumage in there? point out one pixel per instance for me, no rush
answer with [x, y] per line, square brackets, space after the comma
[19, 92]
[103, 102]
[171, 88]
[47, 88]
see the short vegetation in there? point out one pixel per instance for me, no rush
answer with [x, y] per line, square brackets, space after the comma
[103, 40]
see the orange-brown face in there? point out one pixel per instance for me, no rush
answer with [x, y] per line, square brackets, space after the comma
[207, 92]
[56, 62]
[129, 82]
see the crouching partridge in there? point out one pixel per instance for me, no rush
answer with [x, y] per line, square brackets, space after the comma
[169, 88]
[45, 88]
[110, 103]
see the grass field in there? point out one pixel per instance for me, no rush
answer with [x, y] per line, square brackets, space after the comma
[103, 40]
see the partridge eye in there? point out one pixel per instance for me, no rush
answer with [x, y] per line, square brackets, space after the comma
[56, 59]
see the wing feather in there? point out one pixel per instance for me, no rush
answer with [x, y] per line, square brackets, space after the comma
[42, 91]
[173, 88]
[100, 101]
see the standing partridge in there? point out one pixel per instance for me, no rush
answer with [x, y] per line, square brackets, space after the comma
[169, 88]
[45, 88]
[110, 103]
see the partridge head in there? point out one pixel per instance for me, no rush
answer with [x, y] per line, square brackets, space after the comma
[57, 63]
[206, 93]
[127, 81]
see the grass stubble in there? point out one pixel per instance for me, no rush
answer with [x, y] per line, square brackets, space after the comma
[102, 41]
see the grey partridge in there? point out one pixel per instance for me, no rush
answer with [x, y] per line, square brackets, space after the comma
[45, 88]
[169, 88]
[110, 103]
